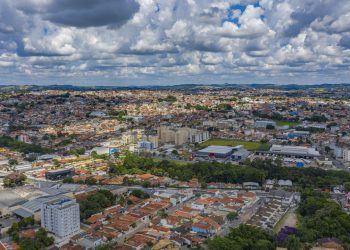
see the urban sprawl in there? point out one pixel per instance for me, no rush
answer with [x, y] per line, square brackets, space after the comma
[202, 168]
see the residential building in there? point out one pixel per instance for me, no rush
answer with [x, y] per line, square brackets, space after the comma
[61, 217]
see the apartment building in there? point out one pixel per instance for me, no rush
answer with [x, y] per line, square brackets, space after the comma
[61, 217]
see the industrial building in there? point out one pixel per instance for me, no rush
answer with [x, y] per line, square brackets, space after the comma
[59, 174]
[291, 152]
[215, 151]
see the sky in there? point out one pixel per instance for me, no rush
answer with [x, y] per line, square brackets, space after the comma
[166, 42]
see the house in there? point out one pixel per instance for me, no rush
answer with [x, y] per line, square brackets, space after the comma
[140, 241]
[206, 227]
[90, 242]
[270, 183]
[251, 185]
[165, 244]
[285, 183]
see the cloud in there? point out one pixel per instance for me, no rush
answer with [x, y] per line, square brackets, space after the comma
[174, 41]
[82, 13]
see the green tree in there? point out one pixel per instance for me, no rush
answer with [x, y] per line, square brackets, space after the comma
[347, 186]
[13, 162]
[231, 216]
[90, 180]
[293, 243]
[68, 180]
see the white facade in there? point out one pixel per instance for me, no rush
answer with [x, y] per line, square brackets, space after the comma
[61, 217]
[264, 123]
[346, 154]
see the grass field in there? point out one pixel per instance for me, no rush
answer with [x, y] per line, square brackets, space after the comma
[249, 145]
[283, 123]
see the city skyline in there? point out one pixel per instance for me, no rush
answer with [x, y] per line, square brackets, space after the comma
[134, 42]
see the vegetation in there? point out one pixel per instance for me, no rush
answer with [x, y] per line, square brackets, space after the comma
[68, 179]
[321, 217]
[169, 98]
[95, 203]
[249, 145]
[41, 239]
[140, 194]
[119, 115]
[291, 124]
[257, 171]
[13, 162]
[310, 129]
[278, 118]
[316, 118]
[231, 216]
[8, 142]
[197, 107]
[76, 152]
[14, 179]
[242, 238]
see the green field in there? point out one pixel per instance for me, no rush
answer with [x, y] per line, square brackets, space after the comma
[249, 145]
[289, 123]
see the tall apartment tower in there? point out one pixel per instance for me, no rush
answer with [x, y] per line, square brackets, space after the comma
[61, 217]
[346, 155]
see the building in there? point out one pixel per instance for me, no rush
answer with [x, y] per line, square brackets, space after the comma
[239, 153]
[180, 136]
[59, 174]
[346, 155]
[61, 217]
[216, 151]
[154, 140]
[292, 152]
[199, 136]
[297, 134]
[264, 123]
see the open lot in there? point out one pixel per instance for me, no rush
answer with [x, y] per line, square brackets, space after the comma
[249, 145]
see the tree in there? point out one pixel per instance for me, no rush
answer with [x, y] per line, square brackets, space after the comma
[269, 126]
[162, 214]
[146, 184]
[13, 162]
[293, 243]
[347, 186]
[90, 180]
[231, 216]
[68, 180]
[242, 238]
[95, 203]
[14, 179]
[140, 194]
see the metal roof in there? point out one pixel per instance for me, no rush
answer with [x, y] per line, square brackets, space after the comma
[22, 213]
[8, 199]
[35, 205]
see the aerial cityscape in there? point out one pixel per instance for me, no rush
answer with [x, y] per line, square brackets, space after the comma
[177, 124]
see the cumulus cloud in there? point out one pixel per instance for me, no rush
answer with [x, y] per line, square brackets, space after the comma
[174, 41]
[81, 13]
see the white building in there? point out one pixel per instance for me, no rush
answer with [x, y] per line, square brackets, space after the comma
[346, 154]
[294, 151]
[264, 123]
[61, 217]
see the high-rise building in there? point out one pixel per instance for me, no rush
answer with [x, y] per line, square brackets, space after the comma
[154, 140]
[61, 217]
[346, 154]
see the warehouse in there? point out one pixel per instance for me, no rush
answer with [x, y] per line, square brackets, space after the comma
[215, 151]
[59, 174]
[291, 152]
